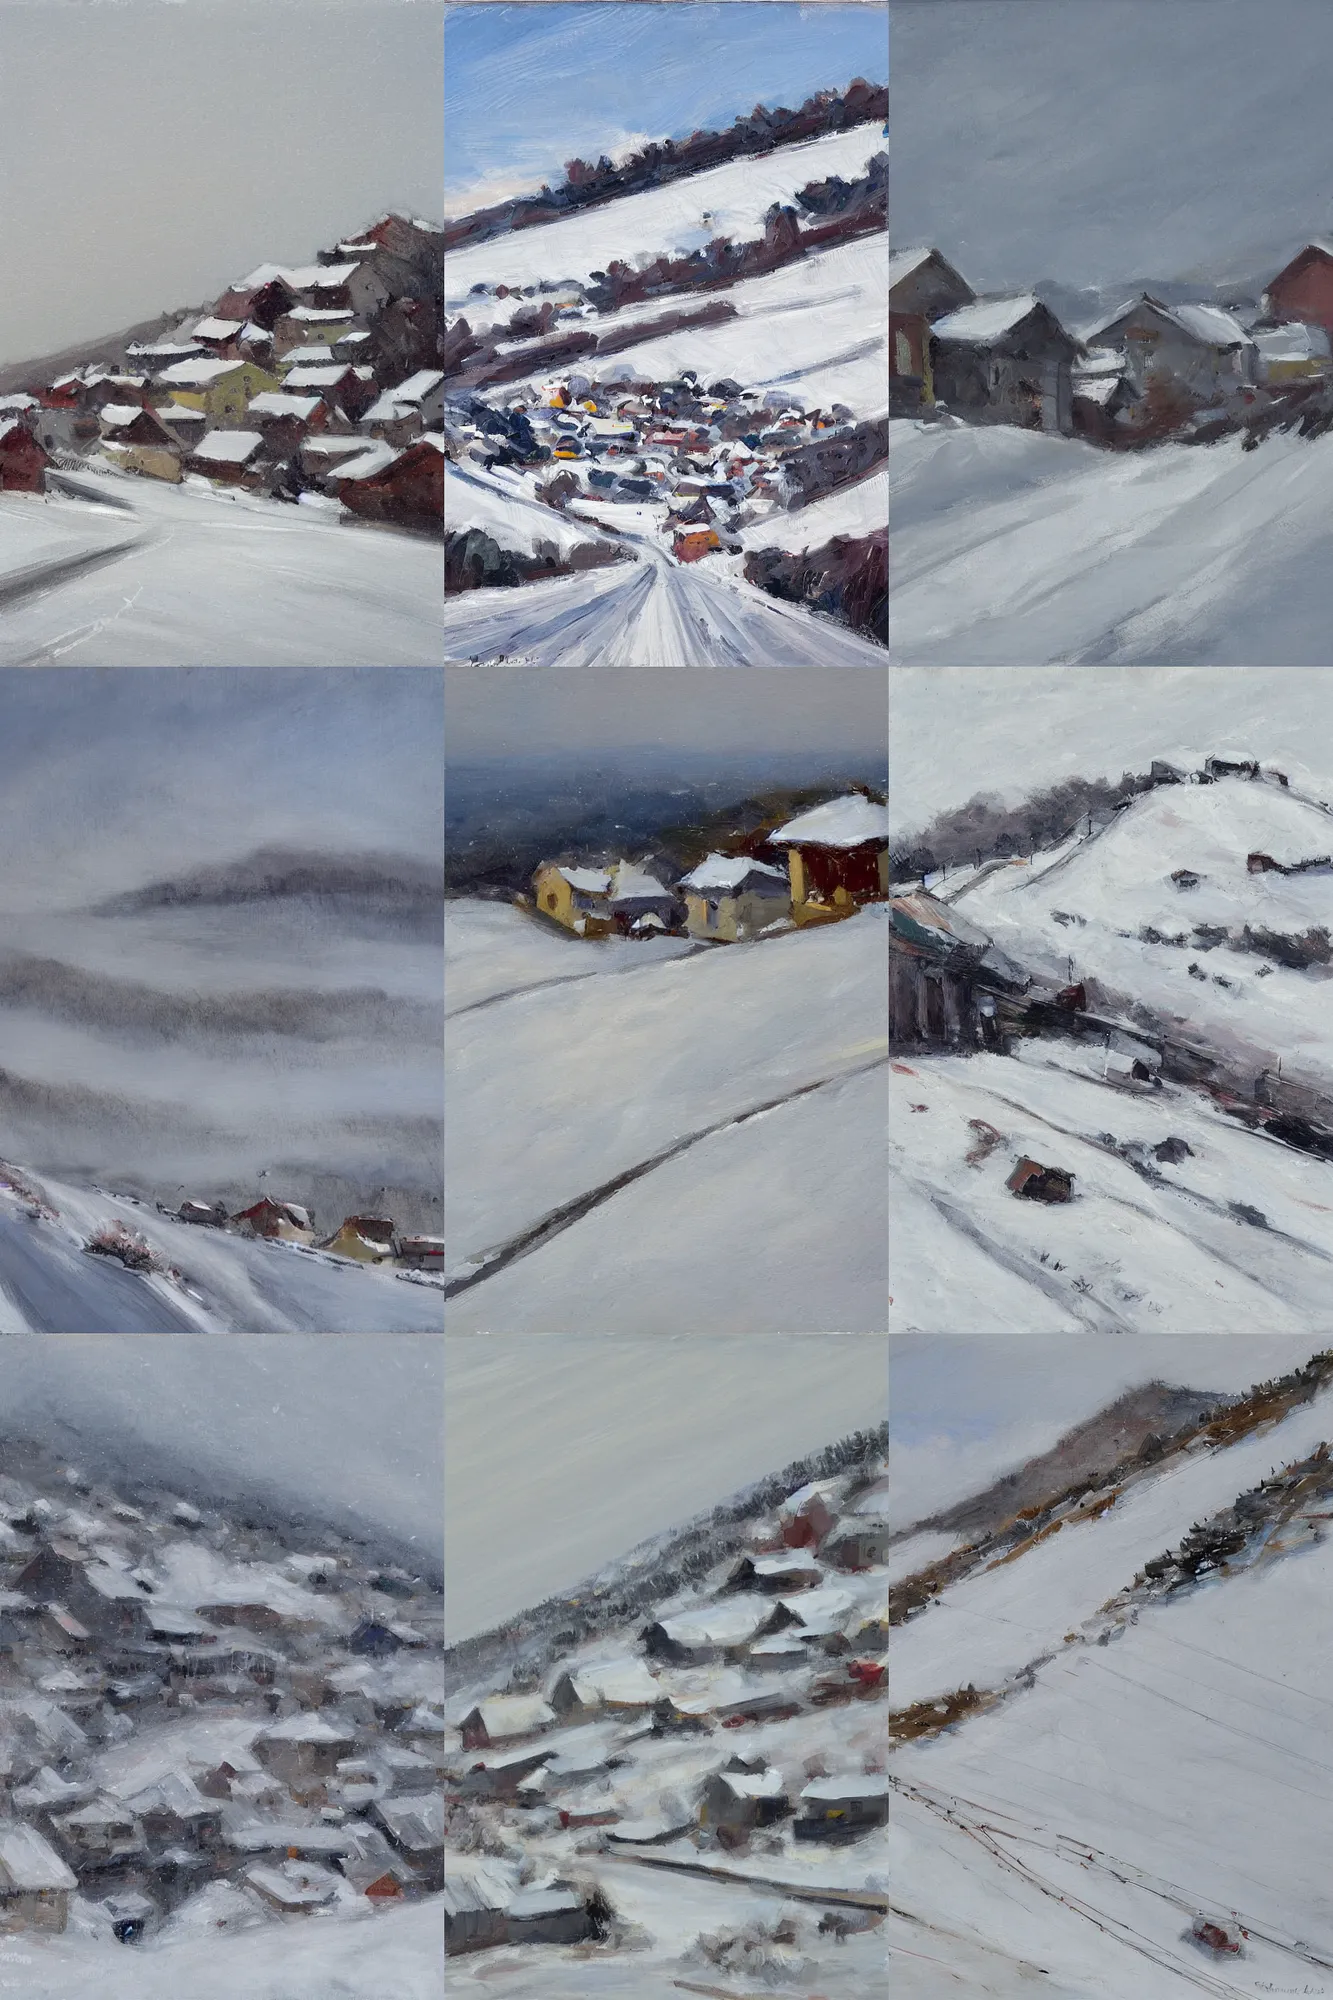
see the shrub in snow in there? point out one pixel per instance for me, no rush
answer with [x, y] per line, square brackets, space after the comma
[115, 1240]
[767, 1952]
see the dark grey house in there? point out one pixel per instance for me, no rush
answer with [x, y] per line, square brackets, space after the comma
[1005, 361]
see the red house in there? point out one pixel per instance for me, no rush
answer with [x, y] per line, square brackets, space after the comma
[23, 462]
[1304, 289]
[408, 491]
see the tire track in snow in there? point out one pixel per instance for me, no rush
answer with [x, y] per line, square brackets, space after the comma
[557, 1220]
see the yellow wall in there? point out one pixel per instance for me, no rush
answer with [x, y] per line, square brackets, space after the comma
[230, 395]
[548, 883]
[796, 870]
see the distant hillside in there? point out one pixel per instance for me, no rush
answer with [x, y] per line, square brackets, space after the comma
[108, 348]
[272, 872]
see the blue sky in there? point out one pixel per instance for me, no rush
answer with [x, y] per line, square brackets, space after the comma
[528, 87]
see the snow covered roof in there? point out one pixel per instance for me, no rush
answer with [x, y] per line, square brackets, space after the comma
[1296, 341]
[1211, 325]
[618, 1681]
[728, 872]
[828, 1790]
[307, 357]
[729, 1624]
[844, 822]
[514, 1714]
[630, 884]
[10, 425]
[176, 413]
[306, 1727]
[325, 376]
[987, 319]
[766, 1784]
[386, 407]
[317, 314]
[903, 262]
[545, 1902]
[480, 1888]
[196, 374]
[215, 329]
[373, 459]
[29, 1864]
[275, 403]
[18, 403]
[591, 881]
[417, 386]
[228, 447]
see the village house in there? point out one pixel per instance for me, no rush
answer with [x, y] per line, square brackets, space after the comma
[640, 904]
[859, 1541]
[280, 1221]
[1198, 352]
[740, 1797]
[218, 336]
[304, 325]
[475, 1904]
[1291, 353]
[807, 1515]
[221, 389]
[712, 1633]
[230, 457]
[408, 491]
[733, 897]
[401, 414]
[1303, 289]
[837, 856]
[414, 1826]
[578, 898]
[691, 544]
[35, 1884]
[615, 1687]
[504, 1720]
[285, 420]
[23, 461]
[341, 385]
[103, 1834]
[369, 1239]
[262, 297]
[842, 1808]
[922, 288]
[795, 1569]
[293, 1887]
[554, 1915]
[1005, 361]
[303, 1747]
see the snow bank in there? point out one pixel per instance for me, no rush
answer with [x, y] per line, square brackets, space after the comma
[493, 949]
[1173, 555]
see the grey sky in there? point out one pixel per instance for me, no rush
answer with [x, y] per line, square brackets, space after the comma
[602, 711]
[111, 777]
[152, 151]
[1100, 141]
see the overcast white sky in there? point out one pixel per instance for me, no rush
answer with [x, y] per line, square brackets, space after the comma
[152, 151]
[1100, 141]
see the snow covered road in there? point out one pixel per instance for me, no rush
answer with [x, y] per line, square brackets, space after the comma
[75, 1293]
[655, 614]
[199, 577]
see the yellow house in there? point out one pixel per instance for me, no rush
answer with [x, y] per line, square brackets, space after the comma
[367, 1238]
[729, 897]
[221, 389]
[578, 898]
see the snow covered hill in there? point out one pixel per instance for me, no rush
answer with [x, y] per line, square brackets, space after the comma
[1165, 907]
[862, 509]
[730, 200]
[1154, 1758]
[1011, 549]
[502, 506]
[744, 1082]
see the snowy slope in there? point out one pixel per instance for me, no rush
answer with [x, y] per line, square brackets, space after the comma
[817, 328]
[1178, 554]
[37, 530]
[853, 510]
[1179, 1769]
[503, 506]
[226, 1283]
[730, 200]
[218, 578]
[1119, 884]
[1238, 1235]
[493, 949]
[642, 1063]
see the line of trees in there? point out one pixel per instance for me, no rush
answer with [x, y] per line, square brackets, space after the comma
[588, 182]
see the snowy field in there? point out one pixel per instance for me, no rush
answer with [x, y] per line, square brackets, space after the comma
[674, 1061]
[686, 215]
[216, 578]
[38, 531]
[492, 950]
[1111, 1793]
[653, 613]
[1238, 1234]
[1011, 548]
